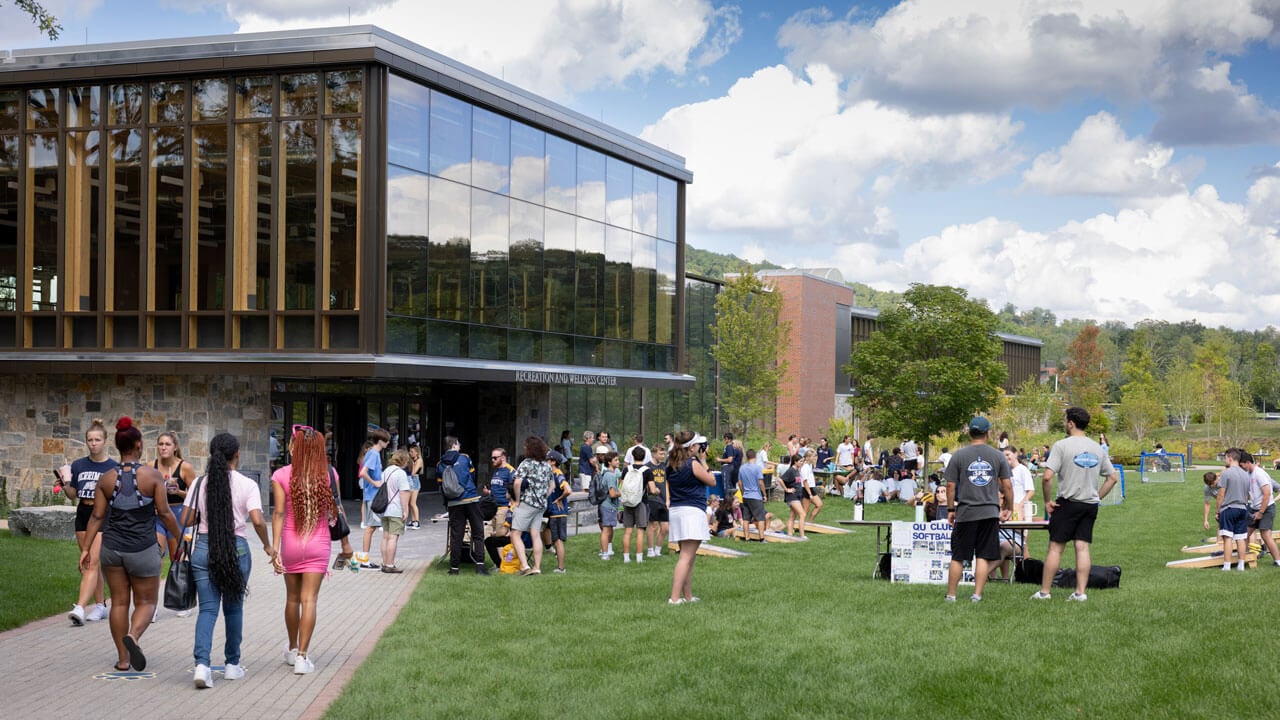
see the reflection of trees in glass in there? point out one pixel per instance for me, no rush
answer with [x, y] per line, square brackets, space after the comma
[300, 94]
[9, 222]
[168, 101]
[125, 101]
[343, 213]
[42, 109]
[208, 99]
[344, 91]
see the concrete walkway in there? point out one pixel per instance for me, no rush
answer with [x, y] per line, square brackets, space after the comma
[50, 669]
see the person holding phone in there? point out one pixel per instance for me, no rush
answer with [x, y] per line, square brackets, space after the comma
[687, 481]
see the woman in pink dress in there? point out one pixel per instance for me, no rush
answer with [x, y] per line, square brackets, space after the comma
[304, 503]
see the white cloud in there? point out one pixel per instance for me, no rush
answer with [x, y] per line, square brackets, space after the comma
[781, 157]
[977, 55]
[556, 51]
[1207, 108]
[1183, 257]
[1100, 160]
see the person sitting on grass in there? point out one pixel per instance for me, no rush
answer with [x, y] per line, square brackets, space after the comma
[724, 521]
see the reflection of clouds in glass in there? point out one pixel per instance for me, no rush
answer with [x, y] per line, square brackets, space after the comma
[489, 223]
[527, 178]
[407, 204]
[561, 197]
[618, 212]
[488, 175]
[457, 172]
[644, 255]
[591, 198]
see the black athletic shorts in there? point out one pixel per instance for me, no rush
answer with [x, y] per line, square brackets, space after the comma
[753, 510]
[976, 538]
[658, 511]
[83, 512]
[1072, 521]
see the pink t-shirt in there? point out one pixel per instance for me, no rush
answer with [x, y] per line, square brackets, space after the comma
[245, 498]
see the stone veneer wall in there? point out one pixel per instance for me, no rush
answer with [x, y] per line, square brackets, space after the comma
[45, 417]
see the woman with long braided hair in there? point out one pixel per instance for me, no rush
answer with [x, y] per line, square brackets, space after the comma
[219, 505]
[304, 503]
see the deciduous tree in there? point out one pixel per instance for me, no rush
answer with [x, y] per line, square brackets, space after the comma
[750, 347]
[1086, 375]
[934, 362]
[47, 23]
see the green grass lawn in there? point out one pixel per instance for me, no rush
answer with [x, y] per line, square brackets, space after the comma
[38, 578]
[801, 630]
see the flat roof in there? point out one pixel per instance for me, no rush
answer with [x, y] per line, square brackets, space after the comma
[368, 43]
[874, 314]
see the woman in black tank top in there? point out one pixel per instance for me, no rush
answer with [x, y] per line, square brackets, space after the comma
[134, 496]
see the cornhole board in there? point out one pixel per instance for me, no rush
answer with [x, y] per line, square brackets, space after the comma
[825, 529]
[1202, 549]
[712, 551]
[771, 536]
[1208, 561]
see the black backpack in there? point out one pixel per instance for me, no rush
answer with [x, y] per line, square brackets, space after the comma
[380, 501]
[597, 492]
[450, 487]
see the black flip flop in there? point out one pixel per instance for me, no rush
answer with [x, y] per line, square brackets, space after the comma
[121, 669]
[137, 660]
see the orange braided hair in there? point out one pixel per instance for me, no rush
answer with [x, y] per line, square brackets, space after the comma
[309, 493]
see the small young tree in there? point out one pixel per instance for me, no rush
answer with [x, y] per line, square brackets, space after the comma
[1181, 392]
[1087, 375]
[750, 348]
[1032, 406]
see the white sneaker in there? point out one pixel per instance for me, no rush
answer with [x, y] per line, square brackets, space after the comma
[184, 613]
[303, 665]
[76, 615]
[639, 558]
[1041, 596]
[203, 677]
[1226, 568]
[232, 672]
[1077, 597]
[290, 656]
[99, 612]
[155, 615]
[627, 558]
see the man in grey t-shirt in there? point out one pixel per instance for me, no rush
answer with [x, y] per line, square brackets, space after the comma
[980, 497]
[1078, 462]
[1233, 511]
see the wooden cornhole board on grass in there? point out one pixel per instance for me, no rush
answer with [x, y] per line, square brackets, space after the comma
[770, 535]
[1208, 561]
[712, 551]
[825, 529]
[1209, 548]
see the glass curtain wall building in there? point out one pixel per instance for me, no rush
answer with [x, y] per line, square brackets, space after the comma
[334, 227]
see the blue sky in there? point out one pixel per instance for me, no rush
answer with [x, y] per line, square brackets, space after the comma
[1105, 159]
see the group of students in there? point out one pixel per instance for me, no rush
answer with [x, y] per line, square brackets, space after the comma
[130, 513]
[1245, 496]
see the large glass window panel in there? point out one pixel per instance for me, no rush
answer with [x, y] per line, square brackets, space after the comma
[298, 191]
[449, 257]
[487, 343]
[42, 108]
[557, 349]
[299, 94]
[10, 110]
[209, 178]
[168, 101]
[562, 174]
[125, 104]
[559, 272]
[82, 204]
[408, 114]
[450, 137]
[591, 184]
[446, 339]
[528, 163]
[616, 302]
[490, 231]
[490, 151]
[589, 263]
[43, 228]
[209, 99]
[406, 336]
[644, 284]
[124, 220]
[83, 106]
[526, 273]
[254, 97]
[666, 209]
[407, 194]
[665, 299]
[619, 186]
[10, 161]
[343, 214]
[166, 247]
[645, 202]
[253, 215]
[524, 346]
[343, 91]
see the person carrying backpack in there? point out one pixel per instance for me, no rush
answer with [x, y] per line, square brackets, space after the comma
[464, 510]
[635, 512]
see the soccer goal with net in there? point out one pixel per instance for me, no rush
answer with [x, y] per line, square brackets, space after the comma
[1163, 467]
[1116, 496]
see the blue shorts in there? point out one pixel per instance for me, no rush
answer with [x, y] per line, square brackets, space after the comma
[415, 483]
[559, 527]
[177, 517]
[608, 516]
[1233, 522]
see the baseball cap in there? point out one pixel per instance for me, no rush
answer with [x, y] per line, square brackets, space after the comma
[980, 424]
[697, 440]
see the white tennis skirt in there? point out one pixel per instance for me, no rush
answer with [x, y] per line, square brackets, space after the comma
[688, 523]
